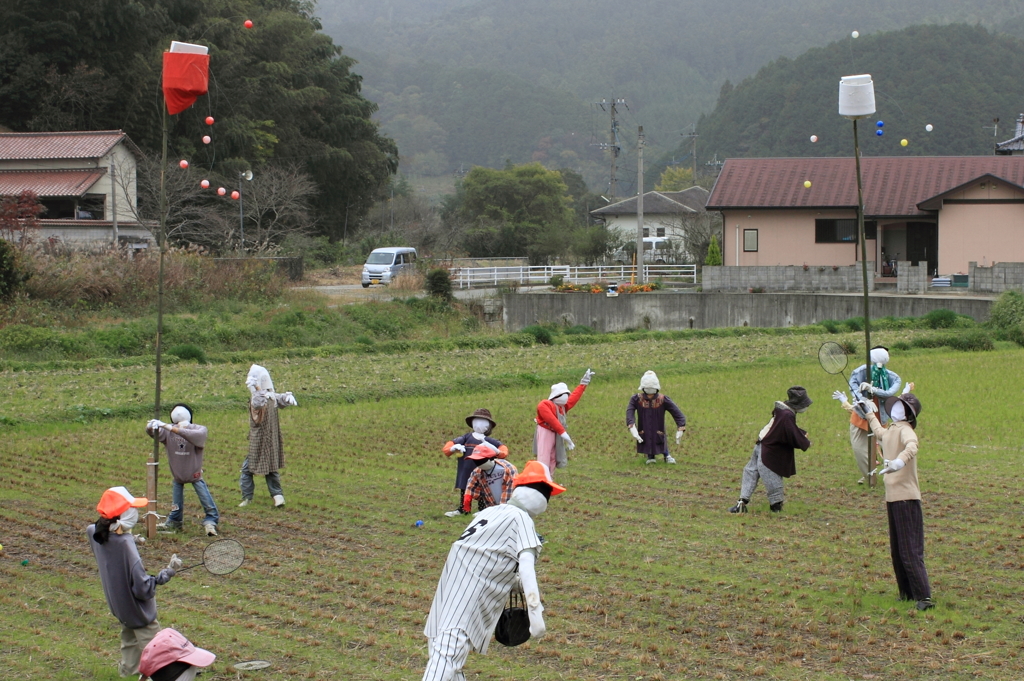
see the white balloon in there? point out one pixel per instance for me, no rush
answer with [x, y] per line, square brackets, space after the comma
[814, 138]
[928, 127]
[855, 34]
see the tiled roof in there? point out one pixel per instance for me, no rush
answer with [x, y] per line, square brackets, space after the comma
[892, 186]
[1015, 143]
[35, 146]
[694, 197]
[655, 203]
[49, 182]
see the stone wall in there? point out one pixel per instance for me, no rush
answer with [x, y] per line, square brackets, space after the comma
[911, 278]
[665, 310]
[848, 278]
[1001, 276]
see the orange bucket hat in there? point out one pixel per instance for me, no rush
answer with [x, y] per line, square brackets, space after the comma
[535, 471]
[116, 501]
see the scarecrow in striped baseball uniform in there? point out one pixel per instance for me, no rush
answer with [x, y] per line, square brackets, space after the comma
[500, 546]
[266, 448]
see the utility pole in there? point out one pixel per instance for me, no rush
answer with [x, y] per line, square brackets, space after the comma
[113, 204]
[613, 141]
[640, 206]
[693, 150]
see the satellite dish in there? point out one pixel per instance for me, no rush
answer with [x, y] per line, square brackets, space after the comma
[247, 175]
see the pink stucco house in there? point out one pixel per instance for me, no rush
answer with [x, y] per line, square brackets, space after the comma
[946, 211]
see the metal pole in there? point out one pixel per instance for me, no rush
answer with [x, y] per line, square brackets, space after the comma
[640, 206]
[154, 459]
[864, 271]
[113, 203]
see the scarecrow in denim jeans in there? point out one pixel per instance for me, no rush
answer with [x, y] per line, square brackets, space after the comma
[185, 442]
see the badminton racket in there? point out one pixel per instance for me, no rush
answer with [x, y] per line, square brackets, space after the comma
[833, 359]
[221, 557]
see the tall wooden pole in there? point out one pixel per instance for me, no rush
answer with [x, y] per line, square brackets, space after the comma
[640, 207]
[864, 270]
[161, 237]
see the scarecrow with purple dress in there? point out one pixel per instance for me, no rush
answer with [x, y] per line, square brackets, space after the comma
[645, 418]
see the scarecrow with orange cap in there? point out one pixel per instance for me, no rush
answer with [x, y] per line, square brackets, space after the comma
[499, 548]
[551, 439]
[129, 589]
[492, 481]
[465, 445]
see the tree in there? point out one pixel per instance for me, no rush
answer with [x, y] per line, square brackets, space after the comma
[714, 257]
[583, 200]
[18, 216]
[593, 243]
[675, 179]
[517, 211]
[699, 229]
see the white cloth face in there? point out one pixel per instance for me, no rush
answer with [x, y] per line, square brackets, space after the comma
[189, 674]
[879, 356]
[898, 412]
[530, 500]
[561, 400]
[127, 520]
[180, 415]
[481, 425]
[487, 465]
[651, 391]
[259, 379]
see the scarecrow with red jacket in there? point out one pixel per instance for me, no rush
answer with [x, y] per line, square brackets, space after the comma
[551, 439]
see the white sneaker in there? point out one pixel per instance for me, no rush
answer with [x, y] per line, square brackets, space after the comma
[245, 502]
[861, 481]
[650, 461]
[278, 500]
[211, 529]
[453, 514]
[669, 459]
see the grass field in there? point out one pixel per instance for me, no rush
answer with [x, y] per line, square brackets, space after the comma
[644, 574]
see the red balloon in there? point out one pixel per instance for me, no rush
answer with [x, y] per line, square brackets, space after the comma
[235, 195]
[248, 23]
[209, 120]
[206, 139]
[204, 184]
[222, 191]
[183, 163]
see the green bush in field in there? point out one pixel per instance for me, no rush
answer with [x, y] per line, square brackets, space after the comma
[579, 330]
[188, 351]
[1008, 311]
[22, 338]
[439, 284]
[540, 334]
[12, 272]
[941, 319]
[556, 280]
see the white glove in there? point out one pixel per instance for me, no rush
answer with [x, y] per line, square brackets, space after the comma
[459, 448]
[635, 433]
[288, 400]
[152, 424]
[568, 441]
[175, 563]
[897, 464]
[839, 395]
[679, 436]
[537, 626]
[488, 445]
[159, 424]
[865, 407]
[528, 579]
[586, 377]
[867, 388]
[907, 388]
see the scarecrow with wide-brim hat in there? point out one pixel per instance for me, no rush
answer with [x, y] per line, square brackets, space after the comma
[903, 494]
[497, 550]
[774, 456]
[551, 439]
[645, 419]
[482, 424]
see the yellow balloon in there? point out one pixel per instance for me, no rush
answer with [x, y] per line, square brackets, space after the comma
[904, 143]
[807, 184]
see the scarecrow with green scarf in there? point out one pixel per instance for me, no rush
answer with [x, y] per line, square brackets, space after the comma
[877, 384]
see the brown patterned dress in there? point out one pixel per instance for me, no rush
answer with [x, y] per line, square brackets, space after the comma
[266, 449]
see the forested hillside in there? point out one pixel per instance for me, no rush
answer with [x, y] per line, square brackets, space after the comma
[956, 78]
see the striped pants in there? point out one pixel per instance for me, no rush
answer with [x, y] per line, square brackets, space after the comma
[448, 653]
[906, 544]
[754, 471]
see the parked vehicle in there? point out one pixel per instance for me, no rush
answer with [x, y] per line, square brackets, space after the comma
[657, 250]
[384, 264]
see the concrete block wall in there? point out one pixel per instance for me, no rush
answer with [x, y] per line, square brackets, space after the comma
[911, 278]
[999, 277]
[846, 279]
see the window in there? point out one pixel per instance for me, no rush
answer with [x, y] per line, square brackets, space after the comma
[749, 240]
[647, 232]
[661, 231]
[842, 231]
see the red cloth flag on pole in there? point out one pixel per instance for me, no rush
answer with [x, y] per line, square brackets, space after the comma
[186, 75]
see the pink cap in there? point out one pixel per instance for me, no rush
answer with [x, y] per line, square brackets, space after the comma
[168, 647]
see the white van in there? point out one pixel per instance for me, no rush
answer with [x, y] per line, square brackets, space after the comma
[384, 264]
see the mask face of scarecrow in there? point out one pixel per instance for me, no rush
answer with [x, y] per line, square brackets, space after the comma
[651, 391]
[481, 426]
[127, 520]
[561, 400]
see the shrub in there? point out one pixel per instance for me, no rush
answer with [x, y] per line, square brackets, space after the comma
[522, 340]
[22, 338]
[556, 280]
[854, 323]
[1016, 334]
[941, 319]
[439, 283]
[188, 351]
[540, 334]
[1008, 311]
[714, 256]
[12, 271]
[579, 330]
[831, 325]
[971, 341]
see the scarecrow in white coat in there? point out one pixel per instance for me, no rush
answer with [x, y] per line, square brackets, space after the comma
[876, 384]
[266, 448]
[647, 408]
[551, 439]
[498, 548]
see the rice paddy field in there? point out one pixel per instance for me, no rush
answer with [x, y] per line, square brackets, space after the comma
[644, 574]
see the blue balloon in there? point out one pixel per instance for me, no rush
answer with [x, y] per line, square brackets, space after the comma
[880, 124]
[879, 132]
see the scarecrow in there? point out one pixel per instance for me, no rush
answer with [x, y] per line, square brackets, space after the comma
[172, 657]
[878, 384]
[498, 548]
[266, 448]
[185, 442]
[773, 458]
[130, 591]
[482, 424]
[648, 408]
[902, 494]
[550, 439]
[491, 483]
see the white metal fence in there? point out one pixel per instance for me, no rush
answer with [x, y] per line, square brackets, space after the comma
[477, 277]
